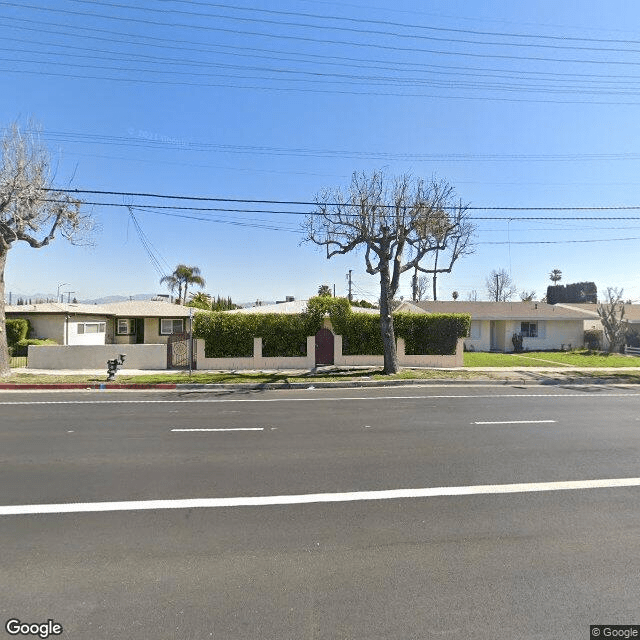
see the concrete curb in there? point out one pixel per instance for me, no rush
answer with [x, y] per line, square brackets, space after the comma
[267, 386]
[86, 385]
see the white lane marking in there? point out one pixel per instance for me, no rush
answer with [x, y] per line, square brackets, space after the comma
[229, 429]
[330, 399]
[353, 496]
[516, 422]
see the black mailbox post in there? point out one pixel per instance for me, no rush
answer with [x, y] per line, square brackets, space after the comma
[112, 366]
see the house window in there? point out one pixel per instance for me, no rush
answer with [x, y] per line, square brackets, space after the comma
[92, 327]
[125, 327]
[171, 325]
[529, 329]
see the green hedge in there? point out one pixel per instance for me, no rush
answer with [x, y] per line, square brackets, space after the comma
[361, 335]
[229, 335]
[17, 329]
[431, 333]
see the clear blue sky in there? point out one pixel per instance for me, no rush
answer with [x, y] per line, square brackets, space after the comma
[515, 104]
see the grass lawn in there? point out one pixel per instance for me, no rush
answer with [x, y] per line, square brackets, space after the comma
[582, 358]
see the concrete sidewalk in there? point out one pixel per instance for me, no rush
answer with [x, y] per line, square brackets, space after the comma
[467, 375]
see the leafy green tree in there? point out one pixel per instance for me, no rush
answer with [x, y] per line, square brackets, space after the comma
[200, 300]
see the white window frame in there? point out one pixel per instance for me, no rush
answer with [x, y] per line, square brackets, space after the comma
[130, 324]
[101, 327]
[163, 331]
[527, 334]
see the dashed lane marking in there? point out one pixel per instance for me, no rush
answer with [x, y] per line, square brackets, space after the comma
[515, 422]
[229, 429]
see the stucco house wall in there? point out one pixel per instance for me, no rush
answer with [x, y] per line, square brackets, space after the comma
[479, 336]
[45, 326]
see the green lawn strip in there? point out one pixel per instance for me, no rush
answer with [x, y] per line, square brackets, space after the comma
[588, 358]
[478, 359]
[548, 358]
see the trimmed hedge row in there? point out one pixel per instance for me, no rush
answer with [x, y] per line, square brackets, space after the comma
[431, 333]
[229, 335]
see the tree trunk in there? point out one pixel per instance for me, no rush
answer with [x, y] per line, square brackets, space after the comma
[435, 269]
[4, 351]
[386, 322]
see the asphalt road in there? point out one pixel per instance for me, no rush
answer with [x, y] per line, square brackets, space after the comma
[483, 564]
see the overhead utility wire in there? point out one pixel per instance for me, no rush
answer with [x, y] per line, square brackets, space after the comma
[333, 27]
[325, 41]
[242, 52]
[313, 204]
[370, 21]
[149, 207]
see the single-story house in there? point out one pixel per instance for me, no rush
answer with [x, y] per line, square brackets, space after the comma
[631, 316]
[291, 307]
[543, 326]
[129, 322]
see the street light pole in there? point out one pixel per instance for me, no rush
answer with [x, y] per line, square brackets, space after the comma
[62, 284]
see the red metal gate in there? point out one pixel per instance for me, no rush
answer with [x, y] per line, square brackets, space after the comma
[324, 347]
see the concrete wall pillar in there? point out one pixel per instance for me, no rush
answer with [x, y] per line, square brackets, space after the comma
[257, 348]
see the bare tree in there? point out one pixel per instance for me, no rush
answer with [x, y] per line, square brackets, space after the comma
[472, 296]
[612, 317]
[31, 210]
[527, 296]
[555, 276]
[419, 286]
[500, 286]
[421, 290]
[385, 218]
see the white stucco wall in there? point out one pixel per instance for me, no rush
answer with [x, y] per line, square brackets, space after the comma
[139, 356]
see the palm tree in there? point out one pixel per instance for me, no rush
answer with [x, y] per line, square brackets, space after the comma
[555, 276]
[183, 276]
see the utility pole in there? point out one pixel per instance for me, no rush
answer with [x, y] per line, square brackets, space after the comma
[497, 300]
[414, 285]
[69, 296]
[334, 289]
[349, 277]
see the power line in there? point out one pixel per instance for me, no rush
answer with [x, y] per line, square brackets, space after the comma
[313, 204]
[324, 41]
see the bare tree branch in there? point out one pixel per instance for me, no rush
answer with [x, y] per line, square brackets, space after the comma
[386, 218]
[31, 210]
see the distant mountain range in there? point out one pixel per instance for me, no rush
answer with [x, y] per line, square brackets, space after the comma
[104, 300]
[52, 296]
